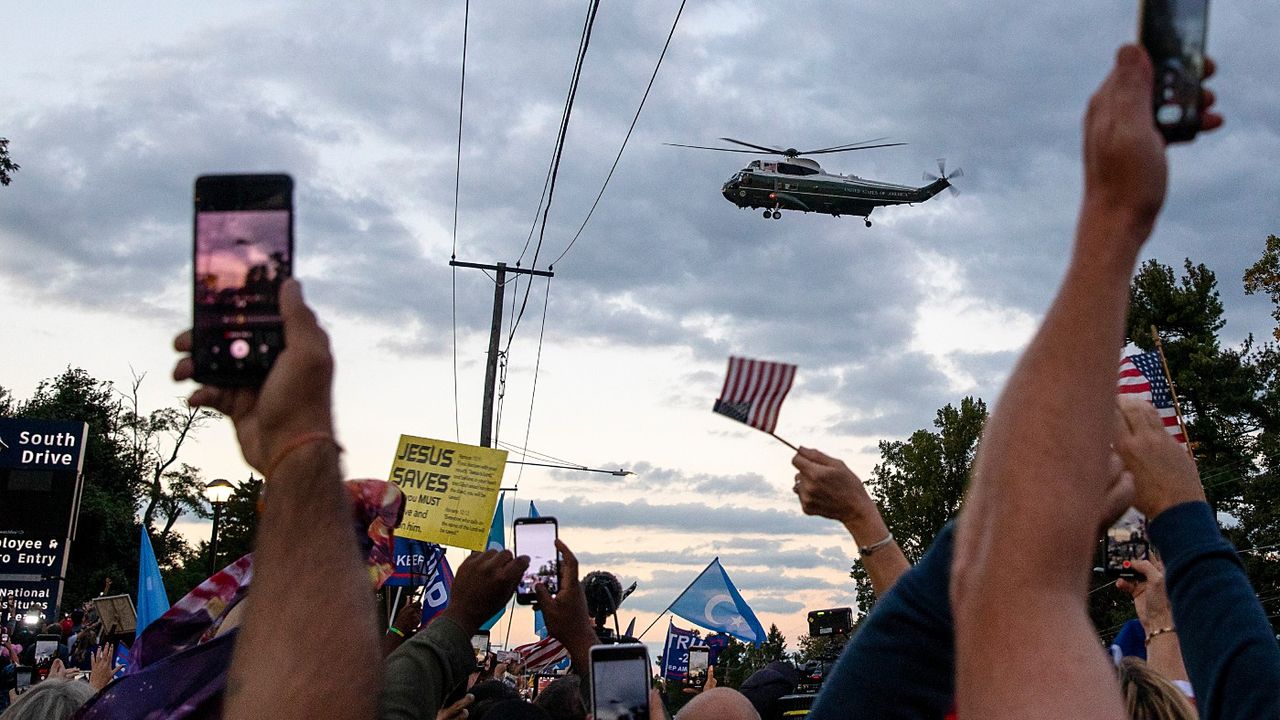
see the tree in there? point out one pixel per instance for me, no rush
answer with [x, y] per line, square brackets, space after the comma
[106, 542]
[7, 166]
[1230, 400]
[1264, 276]
[129, 463]
[155, 440]
[919, 482]
[737, 660]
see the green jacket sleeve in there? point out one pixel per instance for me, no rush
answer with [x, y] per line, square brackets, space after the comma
[429, 668]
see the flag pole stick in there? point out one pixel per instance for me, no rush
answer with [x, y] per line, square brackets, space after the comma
[391, 616]
[784, 442]
[1173, 390]
[655, 621]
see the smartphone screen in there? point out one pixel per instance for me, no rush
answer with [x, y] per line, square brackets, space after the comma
[1125, 542]
[243, 252]
[480, 645]
[536, 537]
[696, 676]
[22, 678]
[1173, 32]
[619, 682]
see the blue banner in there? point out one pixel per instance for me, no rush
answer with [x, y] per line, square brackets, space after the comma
[497, 541]
[715, 643]
[675, 652]
[713, 602]
[435, 596]
[415, 562]
[153, 601]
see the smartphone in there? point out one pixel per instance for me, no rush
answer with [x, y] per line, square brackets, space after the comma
[24, 675]
[1125, 542]
[243, 252]
[480, 645]
[541, 681]
[1173, 32]
[619, 681]
[696, 676]
[536, 537]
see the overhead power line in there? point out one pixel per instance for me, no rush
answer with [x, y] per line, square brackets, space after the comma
[457, 183]
[630, 129]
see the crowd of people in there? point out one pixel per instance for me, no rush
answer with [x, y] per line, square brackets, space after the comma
[991, 623]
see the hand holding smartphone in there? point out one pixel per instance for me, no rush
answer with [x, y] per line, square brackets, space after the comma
[536, 538]
[1125, 542]
[620, 681]
[243, 252]
[1173, 33]
[696, 675]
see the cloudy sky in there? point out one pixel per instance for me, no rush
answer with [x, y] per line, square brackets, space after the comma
[113, 111]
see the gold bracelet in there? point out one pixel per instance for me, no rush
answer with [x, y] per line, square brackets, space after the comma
[294, 444]
[1160, 631]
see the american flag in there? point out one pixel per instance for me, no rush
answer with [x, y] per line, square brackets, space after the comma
[1143, 375]
[754, 390]
[541, 654]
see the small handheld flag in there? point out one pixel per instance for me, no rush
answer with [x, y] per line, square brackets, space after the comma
[1143, 375]
[753, 393]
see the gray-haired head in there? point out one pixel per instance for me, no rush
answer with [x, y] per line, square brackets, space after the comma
[50, 700]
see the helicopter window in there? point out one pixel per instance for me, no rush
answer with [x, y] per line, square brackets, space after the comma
[789, 169]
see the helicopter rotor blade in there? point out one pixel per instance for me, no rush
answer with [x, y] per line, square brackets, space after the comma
[930, 177]
[845, 145]
[732, 150]
[770, 150]
[956, 173]
[847, 149]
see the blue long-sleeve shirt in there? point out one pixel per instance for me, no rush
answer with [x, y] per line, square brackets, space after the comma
[901, 662]
[1228, 647]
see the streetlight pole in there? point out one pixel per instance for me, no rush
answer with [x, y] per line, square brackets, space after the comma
[218, 492]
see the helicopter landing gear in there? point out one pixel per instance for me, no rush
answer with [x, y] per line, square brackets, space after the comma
[777, 215]
[766, 215]
[868, 221]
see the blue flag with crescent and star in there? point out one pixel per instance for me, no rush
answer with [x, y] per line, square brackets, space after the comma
[713, 602]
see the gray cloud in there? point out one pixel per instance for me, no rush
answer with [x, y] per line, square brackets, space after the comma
[360, 105]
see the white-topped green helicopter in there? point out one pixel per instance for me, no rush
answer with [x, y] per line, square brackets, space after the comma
[799, 183]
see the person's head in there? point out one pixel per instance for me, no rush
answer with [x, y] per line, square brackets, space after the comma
[50, 700]
[718, 704]
[1148, 696]
[488, 694]
[562, 699]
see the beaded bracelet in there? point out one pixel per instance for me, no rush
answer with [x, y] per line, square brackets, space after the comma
[1160, 631]
[865, 551]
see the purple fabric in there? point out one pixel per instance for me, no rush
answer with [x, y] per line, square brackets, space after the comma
[178, 666]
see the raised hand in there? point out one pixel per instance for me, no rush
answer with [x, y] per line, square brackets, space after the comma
[482, 585]
[294, 401]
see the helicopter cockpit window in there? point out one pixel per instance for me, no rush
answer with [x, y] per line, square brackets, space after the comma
[789, 169]
[754, 164]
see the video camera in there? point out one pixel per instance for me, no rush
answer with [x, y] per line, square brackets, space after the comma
[835, 624]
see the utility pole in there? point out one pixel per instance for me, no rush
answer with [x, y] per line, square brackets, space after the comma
[495, 333]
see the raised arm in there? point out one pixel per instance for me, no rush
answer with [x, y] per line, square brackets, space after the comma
[1041, 474]
[1226, 642]
[311, 590]
[827, 487]
[432, 667]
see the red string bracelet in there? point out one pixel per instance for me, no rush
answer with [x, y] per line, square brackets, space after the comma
[294, 444]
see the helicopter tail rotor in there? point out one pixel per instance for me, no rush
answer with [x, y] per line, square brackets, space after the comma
[942, 174]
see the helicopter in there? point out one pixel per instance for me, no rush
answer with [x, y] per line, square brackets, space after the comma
[799, 183]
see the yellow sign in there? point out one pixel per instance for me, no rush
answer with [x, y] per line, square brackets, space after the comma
[450, 490]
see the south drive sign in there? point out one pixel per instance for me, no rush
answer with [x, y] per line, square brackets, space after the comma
[40, 488]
